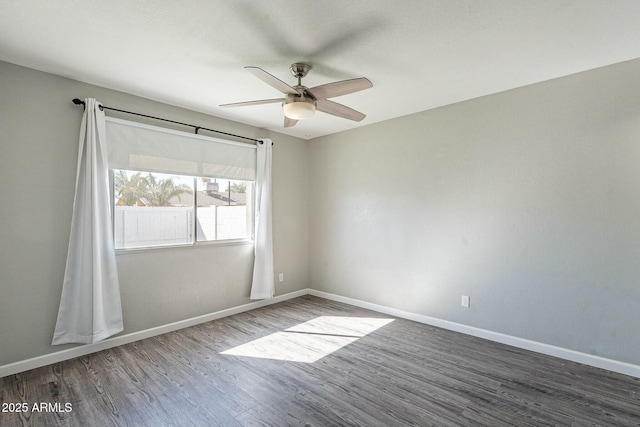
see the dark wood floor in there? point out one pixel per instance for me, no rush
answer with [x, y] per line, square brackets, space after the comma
[403, 373]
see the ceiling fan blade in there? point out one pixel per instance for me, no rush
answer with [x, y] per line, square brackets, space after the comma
[343, 87]
[289, 122]
[272, 81]
[247, 103]
[339, 110]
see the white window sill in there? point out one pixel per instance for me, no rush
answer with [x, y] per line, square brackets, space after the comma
[186, 246]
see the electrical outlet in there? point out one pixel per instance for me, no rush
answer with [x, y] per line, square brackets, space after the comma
[465, 300]
[281, 277]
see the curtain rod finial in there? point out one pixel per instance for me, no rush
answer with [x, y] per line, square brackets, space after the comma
[78, 101]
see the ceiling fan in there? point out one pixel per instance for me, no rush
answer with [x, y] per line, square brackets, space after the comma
[301, 102]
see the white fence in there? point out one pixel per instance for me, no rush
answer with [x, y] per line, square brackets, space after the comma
[158, 226]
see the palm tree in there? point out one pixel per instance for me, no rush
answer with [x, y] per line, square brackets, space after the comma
[160, 191]
[130, 189]
[239, 187]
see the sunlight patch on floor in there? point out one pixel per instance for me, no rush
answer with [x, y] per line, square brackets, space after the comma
[310, 341]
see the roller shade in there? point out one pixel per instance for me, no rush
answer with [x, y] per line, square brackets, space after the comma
[137, 146]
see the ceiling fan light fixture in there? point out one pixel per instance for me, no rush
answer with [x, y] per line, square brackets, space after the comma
[299, 110]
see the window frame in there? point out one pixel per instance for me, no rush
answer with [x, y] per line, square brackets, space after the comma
[249, 239]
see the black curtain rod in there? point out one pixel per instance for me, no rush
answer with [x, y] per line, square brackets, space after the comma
[197, 128]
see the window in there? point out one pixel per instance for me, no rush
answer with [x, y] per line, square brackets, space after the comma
[223, 209]
[155, 209]
[175, 188]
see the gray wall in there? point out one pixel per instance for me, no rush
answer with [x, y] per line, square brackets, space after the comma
[39, 129]
[527, 200]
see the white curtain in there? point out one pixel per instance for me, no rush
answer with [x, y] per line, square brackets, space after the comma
[90, 308]
[262, 286]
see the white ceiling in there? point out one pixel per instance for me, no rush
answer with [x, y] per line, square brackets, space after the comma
[419, 54]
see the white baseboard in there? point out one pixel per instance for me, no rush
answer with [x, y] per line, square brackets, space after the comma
[59, 356]
[562, 353]
[550, 350]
